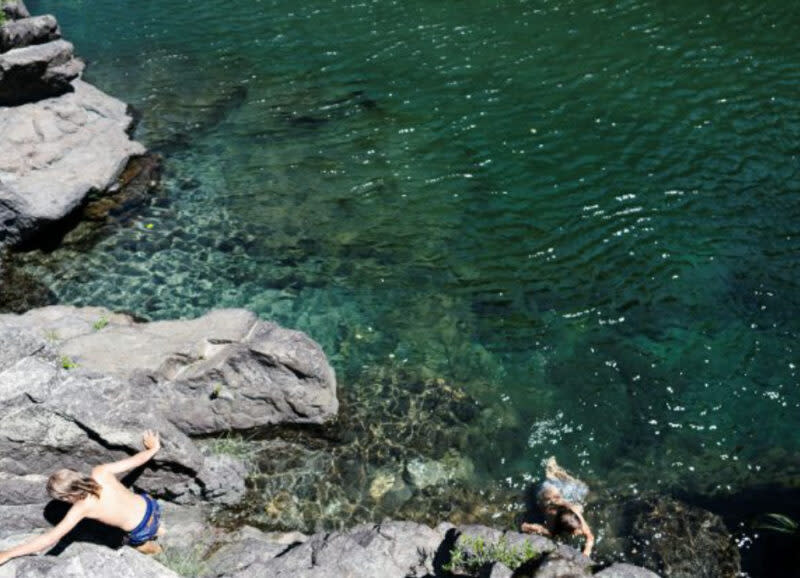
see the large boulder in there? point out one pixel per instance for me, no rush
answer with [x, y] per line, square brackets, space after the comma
[53, 415]
[37, 72]
[225, 370]
[390, 550]
[29, 31]
[55, 152]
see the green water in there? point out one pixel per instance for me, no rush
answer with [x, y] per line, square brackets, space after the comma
[581, 217]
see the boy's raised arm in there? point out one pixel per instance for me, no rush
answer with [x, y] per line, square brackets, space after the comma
[152, 444]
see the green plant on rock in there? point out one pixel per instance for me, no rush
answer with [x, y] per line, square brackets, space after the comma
[100, 323]
[51, 335]
[67, 362]
[472, 553]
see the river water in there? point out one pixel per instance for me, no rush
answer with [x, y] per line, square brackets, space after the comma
[571, 226]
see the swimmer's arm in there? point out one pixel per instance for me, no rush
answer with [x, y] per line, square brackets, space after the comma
[587, 531]
[152, 444]
[536, 529]
[48, 539]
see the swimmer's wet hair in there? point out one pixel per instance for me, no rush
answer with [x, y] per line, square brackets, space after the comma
[69, 485]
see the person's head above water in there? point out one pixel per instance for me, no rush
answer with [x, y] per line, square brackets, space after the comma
[566, 522]
[70, 486]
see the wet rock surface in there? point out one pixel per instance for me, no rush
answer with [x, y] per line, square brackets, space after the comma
[677, 539]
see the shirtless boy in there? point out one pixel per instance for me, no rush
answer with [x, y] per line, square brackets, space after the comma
[103, 498]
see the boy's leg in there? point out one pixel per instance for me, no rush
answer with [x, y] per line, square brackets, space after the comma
[150, 548]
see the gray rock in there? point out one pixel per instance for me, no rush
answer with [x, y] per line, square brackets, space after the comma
[557, 565]
[223, 479]
[37, 72]
[187, 527]
[226, 370]
[29, 31]
[14, 9]
[86, 560]
[498, 570]
[51, 418]
[54, 152]
[390, 550]
[20, 519]
[625, 571]
[248, 547]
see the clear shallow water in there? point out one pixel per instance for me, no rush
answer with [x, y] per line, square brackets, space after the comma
[581, 215]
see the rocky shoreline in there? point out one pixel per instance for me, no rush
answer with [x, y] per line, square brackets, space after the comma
[66, 153]
[78, 385]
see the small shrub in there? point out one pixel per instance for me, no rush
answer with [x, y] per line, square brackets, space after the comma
[67, 362]
[472, 554]
[51, 335]
[187, 563]
[100, 324]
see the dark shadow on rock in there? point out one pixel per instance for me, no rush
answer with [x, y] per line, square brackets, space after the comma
[102, 213]
[444, 554]
[86, 531]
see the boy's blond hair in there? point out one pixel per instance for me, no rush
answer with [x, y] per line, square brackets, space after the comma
[71, 486]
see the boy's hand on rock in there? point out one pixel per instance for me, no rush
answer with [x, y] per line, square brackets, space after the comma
[3, 558]
[151, 440]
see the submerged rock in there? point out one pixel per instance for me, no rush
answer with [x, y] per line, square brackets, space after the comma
[681, 541]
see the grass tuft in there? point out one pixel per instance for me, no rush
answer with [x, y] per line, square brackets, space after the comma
[472, 555]
[100, 324]
[67, 362]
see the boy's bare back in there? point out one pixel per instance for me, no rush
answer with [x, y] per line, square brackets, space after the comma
[103, 499]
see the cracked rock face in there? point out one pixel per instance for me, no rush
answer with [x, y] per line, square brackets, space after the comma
[78, 386]
[55, 151]
[225, 370]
